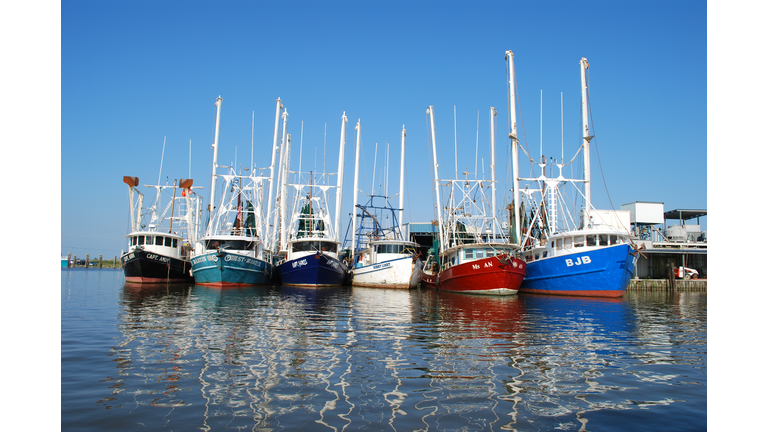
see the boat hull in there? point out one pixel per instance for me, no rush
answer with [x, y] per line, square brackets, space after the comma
[402, 273]
[603, 272]
[486, 276]
[148, 267]
[428, 280]
[312, 270]
[225, 269]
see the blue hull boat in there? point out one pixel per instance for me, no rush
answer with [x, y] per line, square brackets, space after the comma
[225, 269]
[603, 272]
[312, 270]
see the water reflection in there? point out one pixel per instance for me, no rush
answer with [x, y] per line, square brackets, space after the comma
[271, 358]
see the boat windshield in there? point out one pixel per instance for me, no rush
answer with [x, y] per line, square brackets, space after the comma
[230, 244]
[393, 249]
[314, 246]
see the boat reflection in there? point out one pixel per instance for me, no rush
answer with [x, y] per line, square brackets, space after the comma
[481, 315]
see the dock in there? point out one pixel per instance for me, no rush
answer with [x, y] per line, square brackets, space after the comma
[664, 284]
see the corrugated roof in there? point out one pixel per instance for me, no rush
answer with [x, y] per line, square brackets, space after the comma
[684, 214]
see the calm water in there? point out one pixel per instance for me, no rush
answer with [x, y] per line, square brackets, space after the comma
[186, 357]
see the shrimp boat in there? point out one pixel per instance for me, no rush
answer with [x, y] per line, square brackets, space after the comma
[159, 248]
[231, 253]
[474, 254]
[591, 256]
[383, 257]
[308, 254]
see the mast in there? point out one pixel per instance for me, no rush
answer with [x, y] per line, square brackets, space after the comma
[431, 113]
[218, 103]
[284, 186]
[402, 180]
[587, 138]
[340, 172]
[354, 189]
[493, 171]
[510, 57]
[278, 107]
[280, 180]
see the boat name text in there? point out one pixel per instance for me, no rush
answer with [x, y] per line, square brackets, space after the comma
[486, 265]
[579, 261]
[158, 258]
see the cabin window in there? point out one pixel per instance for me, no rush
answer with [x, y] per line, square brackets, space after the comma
[133, 241]
[559, 244]
[176, 242]
[159, 240]
[469, 253]
[386, 248]
[480, 253]
[141, 240]
[168, 241]
[537, 256]
[614, 239]
[578, 241]
[591, 240]
[314, 246]
[552, 244]
[603, 240]
[568, 243]
[226, 244]
[544, 254]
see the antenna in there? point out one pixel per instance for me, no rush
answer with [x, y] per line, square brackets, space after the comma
[386, 174]
[541, 125]
[373, 178]
[455, 144]
[190, 159]
[253, 114]
[477, 141]
[325, 133]
[562, 139]
[160, 175]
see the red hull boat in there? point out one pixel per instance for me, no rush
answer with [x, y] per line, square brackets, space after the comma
[481, 269]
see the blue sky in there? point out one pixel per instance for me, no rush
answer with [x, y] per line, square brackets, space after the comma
[136, 73]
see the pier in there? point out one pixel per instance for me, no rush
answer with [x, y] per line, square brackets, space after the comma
[667, 285]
